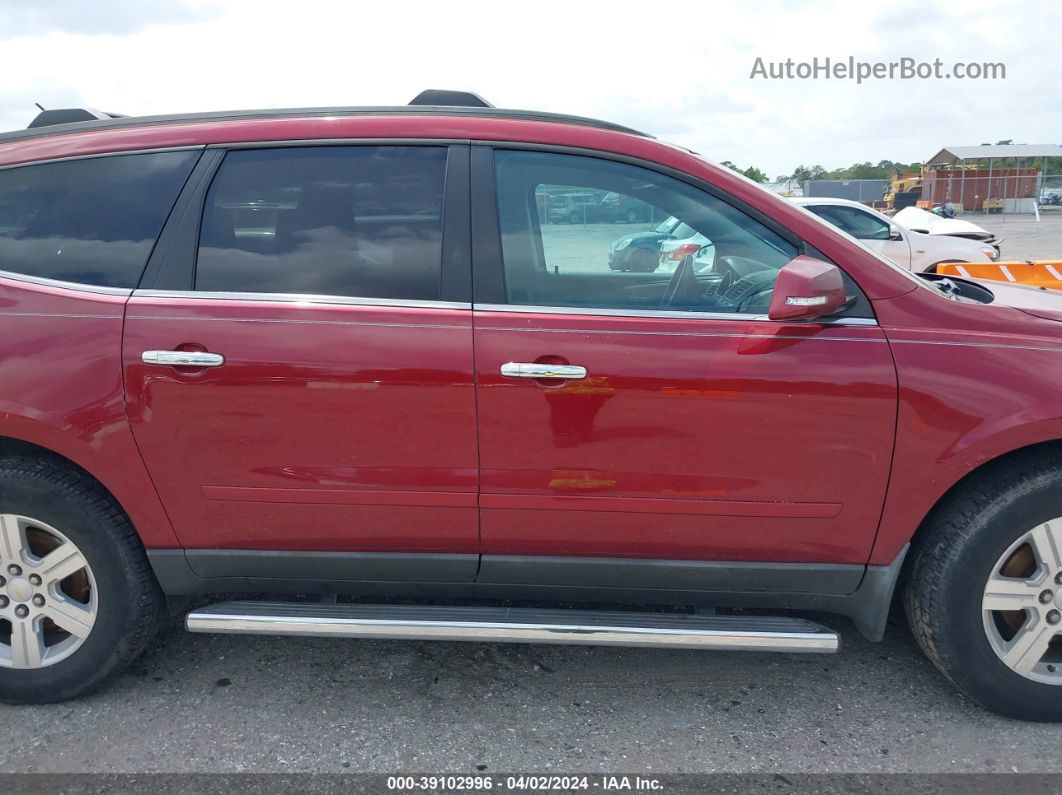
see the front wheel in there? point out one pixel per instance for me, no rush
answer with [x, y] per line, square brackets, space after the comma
[984, 596]
[78, 600]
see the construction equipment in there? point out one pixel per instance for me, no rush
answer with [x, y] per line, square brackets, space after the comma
[904, 191]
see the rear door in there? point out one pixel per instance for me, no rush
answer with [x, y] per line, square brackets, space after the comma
[661, 417]
[298, 365]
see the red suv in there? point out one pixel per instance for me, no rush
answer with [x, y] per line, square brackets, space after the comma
[337, 352]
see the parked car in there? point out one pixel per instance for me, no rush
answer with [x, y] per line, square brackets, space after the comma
[916, 251]
[594, 208]
[641, 252]
[573, 208]
[620, 207]
[931, 223]
[383, 385]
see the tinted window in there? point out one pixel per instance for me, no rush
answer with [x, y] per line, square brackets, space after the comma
[715, 258]
[858, 224]
[360, 221]
[92, 221]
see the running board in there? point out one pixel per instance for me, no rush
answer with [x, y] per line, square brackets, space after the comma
[516, 625]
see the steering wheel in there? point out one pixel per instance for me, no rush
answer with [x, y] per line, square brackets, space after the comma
[748, 286]
[726, 280]
[683, 280]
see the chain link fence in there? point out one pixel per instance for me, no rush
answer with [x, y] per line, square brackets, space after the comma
[1024, 193]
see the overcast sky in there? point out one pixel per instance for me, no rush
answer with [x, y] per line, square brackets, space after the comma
[674, 69]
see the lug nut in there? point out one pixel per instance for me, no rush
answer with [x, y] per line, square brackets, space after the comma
[35, 579]
[21, 611]
[1046, 596]
[3, 581]
[38, 600]
[14, 570]
[4, 602]
[1053, 617]
[1058, 578]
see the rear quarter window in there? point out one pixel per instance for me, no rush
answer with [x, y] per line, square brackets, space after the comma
[92, 221]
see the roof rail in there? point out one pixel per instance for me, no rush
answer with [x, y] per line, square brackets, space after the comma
[45, 125]
[47, 118]
[445, 97]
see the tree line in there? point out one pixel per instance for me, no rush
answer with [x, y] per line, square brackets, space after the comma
[883, 169]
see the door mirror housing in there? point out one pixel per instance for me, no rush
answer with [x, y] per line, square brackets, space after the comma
[895, 233]
[807, 288]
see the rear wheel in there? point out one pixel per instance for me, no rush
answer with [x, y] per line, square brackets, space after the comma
[78, 600]
[984, 598]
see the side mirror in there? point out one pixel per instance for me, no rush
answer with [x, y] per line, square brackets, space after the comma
[895, 233]
[807, 288]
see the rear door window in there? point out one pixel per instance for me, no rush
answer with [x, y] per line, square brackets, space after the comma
[92, 221]
[360, 221]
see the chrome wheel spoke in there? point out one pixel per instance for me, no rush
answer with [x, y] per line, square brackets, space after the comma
[47, 624]
[1046, 542]
[1009, 593]
[1028, 646]
[70, 616]
[12, 539]
[1036, 595]
[60, 563]
[27, 644]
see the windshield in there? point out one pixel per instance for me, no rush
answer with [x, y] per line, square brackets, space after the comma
[683, 231]
[667, 226]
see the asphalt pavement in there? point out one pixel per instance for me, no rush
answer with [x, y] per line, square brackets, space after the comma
[224, 703]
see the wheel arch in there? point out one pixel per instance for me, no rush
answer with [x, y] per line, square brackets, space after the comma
[140, 504]
[1000, 462]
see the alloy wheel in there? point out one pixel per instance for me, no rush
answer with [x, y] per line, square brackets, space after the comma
[48, 595]
[1022, 604]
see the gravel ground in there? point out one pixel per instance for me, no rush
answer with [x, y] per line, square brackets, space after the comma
[228, 704]
[1023, 236]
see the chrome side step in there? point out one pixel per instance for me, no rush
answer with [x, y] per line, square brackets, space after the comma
[516, 625]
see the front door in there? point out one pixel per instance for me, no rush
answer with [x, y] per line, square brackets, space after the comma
[660, 415]
[311, 387]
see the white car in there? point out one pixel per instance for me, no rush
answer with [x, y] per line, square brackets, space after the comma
[918, 220]
[916, 251]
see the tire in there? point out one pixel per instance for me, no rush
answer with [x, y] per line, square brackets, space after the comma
[631, 217]
[117, 592]
[994, 526]
[644, 262]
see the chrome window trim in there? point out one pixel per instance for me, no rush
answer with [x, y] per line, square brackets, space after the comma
[301, 298]
[286, 143]
[85, 288]
[657, 313]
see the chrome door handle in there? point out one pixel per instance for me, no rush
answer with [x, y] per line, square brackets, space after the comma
[183, 358]
[563, 372]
